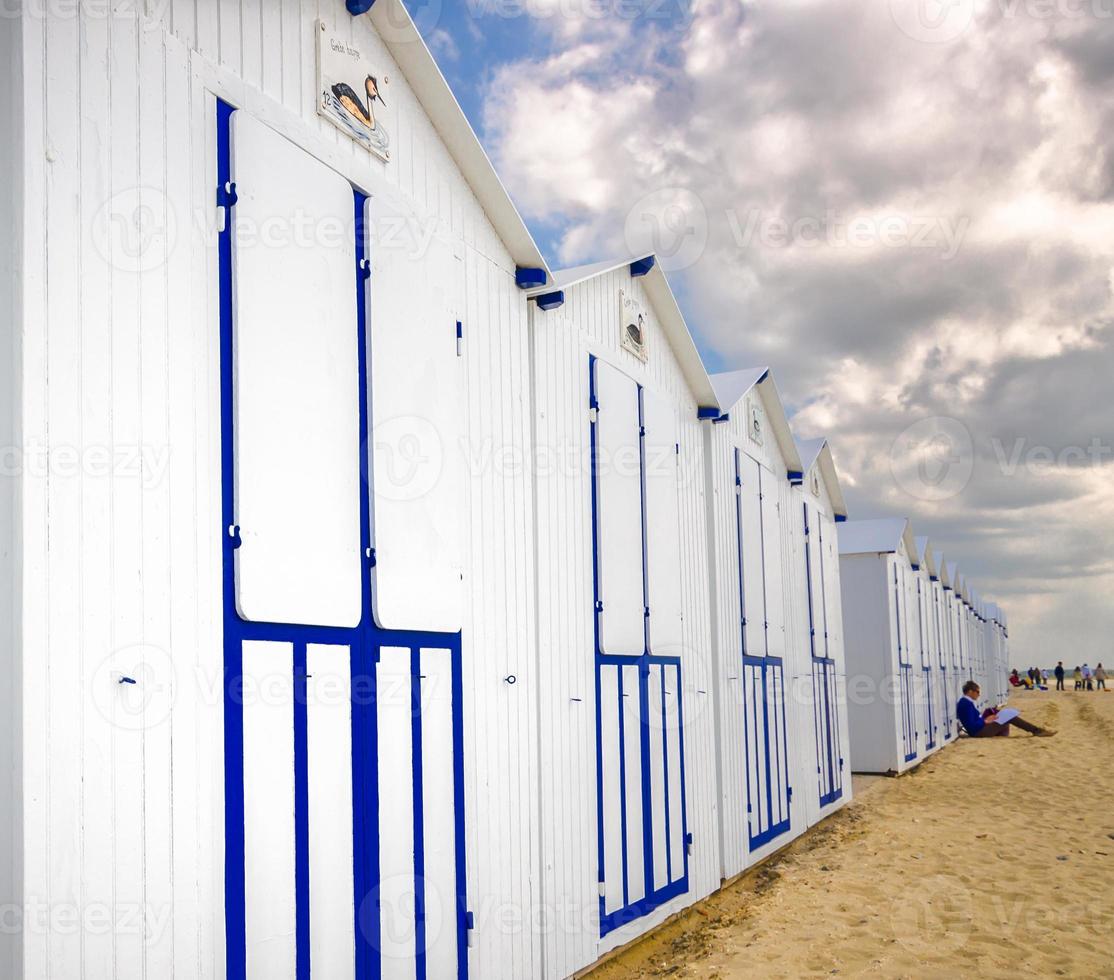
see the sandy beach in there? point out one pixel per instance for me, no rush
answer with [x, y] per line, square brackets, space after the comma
[993, 858]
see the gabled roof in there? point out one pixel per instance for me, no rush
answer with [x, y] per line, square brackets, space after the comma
[733, 386]
[878, 537]
[669, 315]
[402, 38]
[953, 572]
[817, 452]
[942, 571]
[925, 557]
[566, 278]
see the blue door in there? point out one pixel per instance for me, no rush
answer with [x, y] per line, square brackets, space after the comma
[342, 860]
[906, 699]
[769, 791]
[643, 840]
[930, 707]
[829, 762]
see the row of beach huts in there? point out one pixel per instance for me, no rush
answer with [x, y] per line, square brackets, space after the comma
[466, 626]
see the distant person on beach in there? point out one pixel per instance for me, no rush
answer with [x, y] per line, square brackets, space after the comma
[1087, 675]
[1100, 678]
[1077, 674]
[997, 721]
[1060, 676]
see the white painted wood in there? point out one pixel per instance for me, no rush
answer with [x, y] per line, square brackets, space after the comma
[632, 744]
[755, 593]
[269, 810]
[619, 482]
[329, 769]
[297, 384]
[113, 357]
[672, 728]
[772, 565]
[11, 570]
[658, 804]
[612, 789]
[439, 813]
[394, 711]
[416, 392]
[663, 544]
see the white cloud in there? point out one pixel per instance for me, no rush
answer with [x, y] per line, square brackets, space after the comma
[815, 114]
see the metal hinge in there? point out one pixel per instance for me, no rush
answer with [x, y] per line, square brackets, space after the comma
[226, 199]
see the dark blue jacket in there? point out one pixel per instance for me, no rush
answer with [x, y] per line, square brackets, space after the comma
[969, 716]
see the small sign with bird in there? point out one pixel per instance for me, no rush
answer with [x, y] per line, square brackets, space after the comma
[350, 92]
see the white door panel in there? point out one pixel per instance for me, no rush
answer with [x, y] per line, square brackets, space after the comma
[296, 382]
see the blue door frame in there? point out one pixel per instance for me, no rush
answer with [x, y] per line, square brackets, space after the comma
[364, 641]
[829, 762]
[930, 731]
[675, 782]
[926, 671]
[765, 676]
[906, 706]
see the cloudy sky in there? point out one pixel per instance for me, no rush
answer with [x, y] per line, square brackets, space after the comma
[904, 207]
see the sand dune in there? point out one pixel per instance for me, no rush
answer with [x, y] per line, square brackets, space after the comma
[994, 858]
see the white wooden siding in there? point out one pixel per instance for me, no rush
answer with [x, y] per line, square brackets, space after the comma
[119, 569]
[788, 633]
[589, 323]
[11, 796]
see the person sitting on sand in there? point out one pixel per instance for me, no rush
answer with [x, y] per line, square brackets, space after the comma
[1015, 679]
[999, 721]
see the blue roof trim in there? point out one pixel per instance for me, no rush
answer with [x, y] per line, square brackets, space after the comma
[916, 567]
[529, 278]
[551, 301]
[357, 7]
[707, 412]
[765, 375]
[796, 476]
[642, 266]
[841, 518]
[725, 417]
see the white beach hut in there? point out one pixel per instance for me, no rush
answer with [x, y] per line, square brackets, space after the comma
[876, 572]
[932, 688]
[818, 498]
[957, 673]
[759, 621]
[626, 746]
[941, 598]
[264, 296]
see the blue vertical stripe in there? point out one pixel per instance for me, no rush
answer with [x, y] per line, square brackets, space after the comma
[235, 930]
[301, 811]
[419, 813]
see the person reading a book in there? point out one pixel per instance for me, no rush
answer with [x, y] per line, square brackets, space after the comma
[994, 721]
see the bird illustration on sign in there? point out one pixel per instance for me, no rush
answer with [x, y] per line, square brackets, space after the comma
[340, 68]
